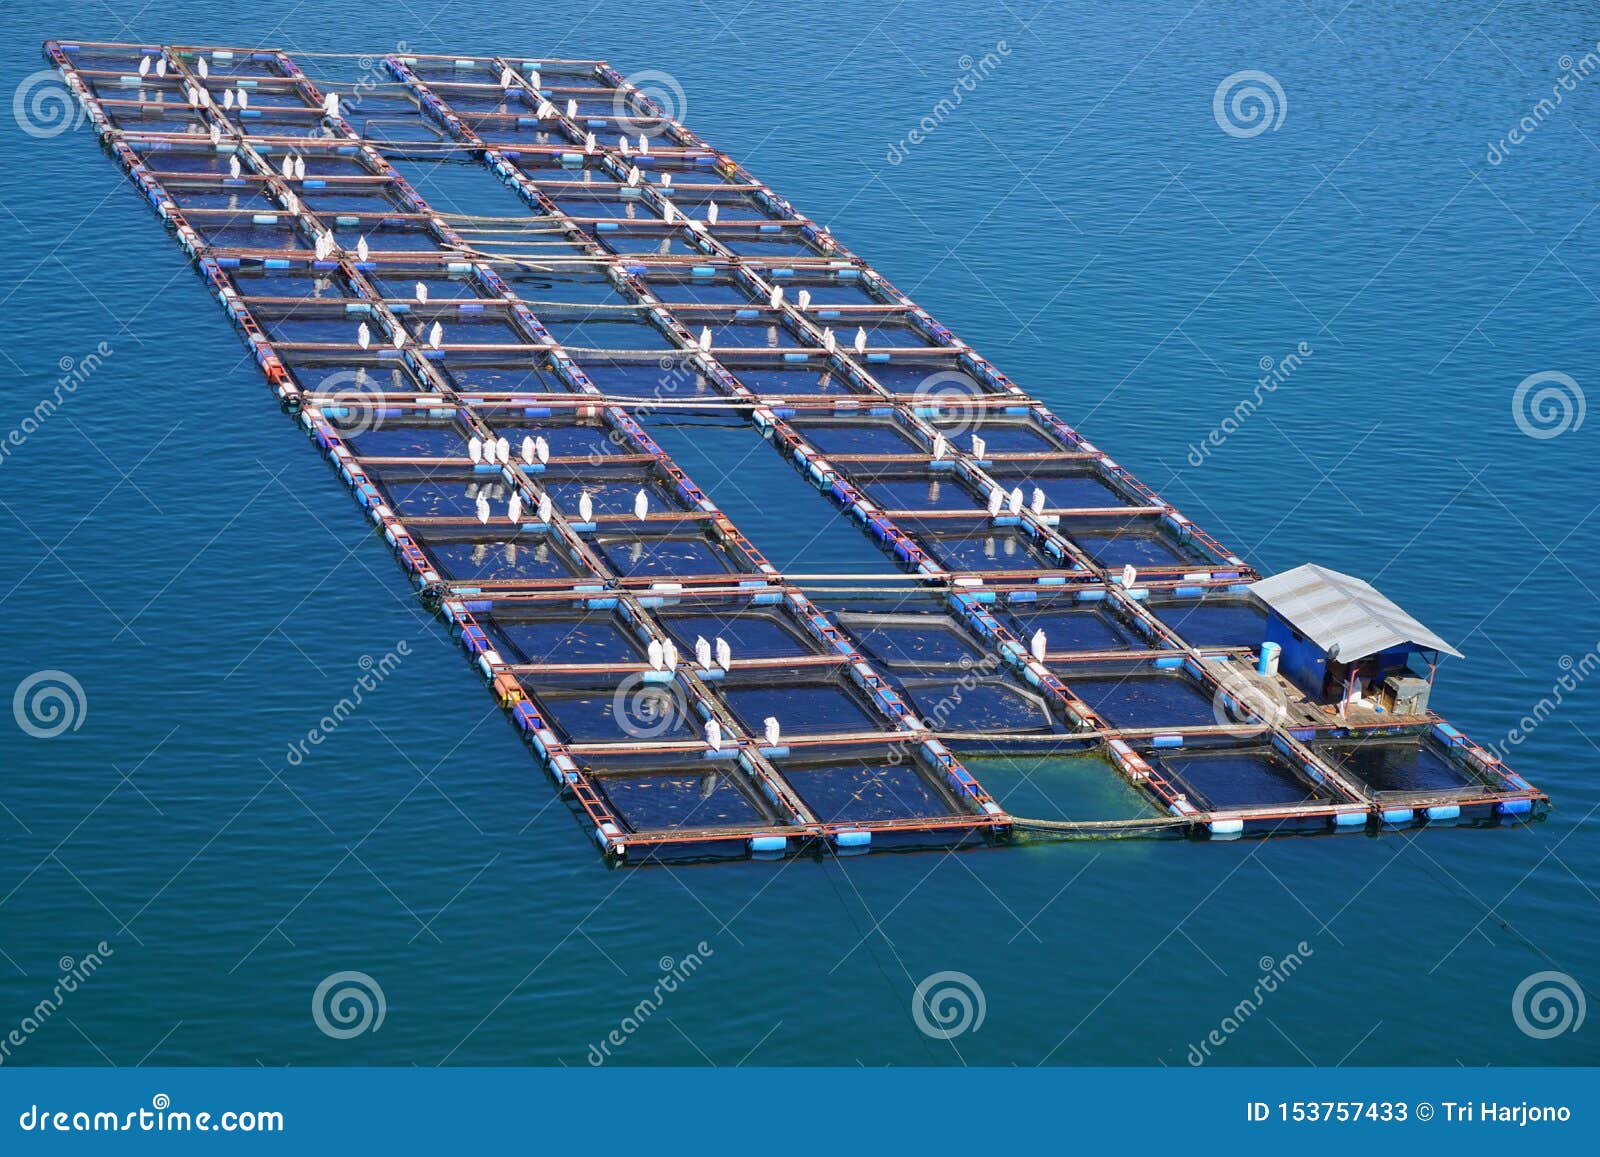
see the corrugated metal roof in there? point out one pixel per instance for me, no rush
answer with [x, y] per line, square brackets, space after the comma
[1344, 616]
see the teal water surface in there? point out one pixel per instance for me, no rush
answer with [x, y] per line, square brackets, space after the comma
[171, 541]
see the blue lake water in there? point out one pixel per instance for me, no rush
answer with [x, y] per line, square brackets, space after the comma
[171, 540]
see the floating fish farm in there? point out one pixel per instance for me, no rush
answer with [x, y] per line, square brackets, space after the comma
[493, 369]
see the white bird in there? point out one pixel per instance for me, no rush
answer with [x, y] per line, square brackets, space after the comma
[666, 180]
[585, 507]
[475, 448]
[322, 247]
[290, 202]
[641, 504]
[939, 447]
[702, 653]
[507, 78]
[724, 653]
[399, 338]
[829, 342]
[299, 168]
[624, 146]
[771, 725]
[287, 168]
[589, 143]
[436, 335]
[669, 212]
[714, 734]
[234, 168]
[805, 298]
[244, 99]
[572, 108]
[776, 299]
[633, 176]
[541, 449]
[502, 448]
[669, 654]
[978, 446]
[1129, 575]
[490, 448]
[514, 508]
[546, 509]
[330, 104]
[1038, 500]
[654, 651]
[1036, 644]
[202, 68]
[1016, 501]
[533, 78]
[144, 66]
[545, 111]
[861, 340]
[527, 451]
[644, 144]
[363, 336]
[705, 338]
[227, 98]
[161, 66]
[483, 509]
[997, 498]
[711, 212]
[362, 252]
[422, 294]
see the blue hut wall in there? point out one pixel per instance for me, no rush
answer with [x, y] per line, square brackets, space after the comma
[1302, 661]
